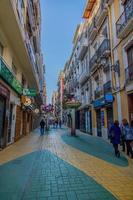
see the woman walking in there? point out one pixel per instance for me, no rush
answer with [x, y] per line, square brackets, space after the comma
[115, 134]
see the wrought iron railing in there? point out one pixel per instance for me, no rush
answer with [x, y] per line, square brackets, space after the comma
[93, 61]
[107, 87]
[125, 17]
[98, 93]
[92, 26]
[105, 46]
[101, 8]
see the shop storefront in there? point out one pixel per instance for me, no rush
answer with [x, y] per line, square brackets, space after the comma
[4, 114]
[104, 114]
[77, 119]
[85, 120]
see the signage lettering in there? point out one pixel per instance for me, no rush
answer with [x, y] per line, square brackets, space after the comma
[7, 75]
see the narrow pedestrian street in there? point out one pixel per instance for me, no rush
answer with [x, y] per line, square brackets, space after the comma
[58, 166]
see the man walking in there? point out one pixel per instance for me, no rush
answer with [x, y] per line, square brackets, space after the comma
[42, 125]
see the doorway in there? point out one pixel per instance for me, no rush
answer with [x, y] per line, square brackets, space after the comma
[10, 123]
[2, 118]
[109, 117]
[99, 125]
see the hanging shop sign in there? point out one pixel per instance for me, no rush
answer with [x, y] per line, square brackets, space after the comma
[107, 99]
[9, 78]
[72, 104]
[36, 110]
[47, 108]
[26, 101]
[29, 92]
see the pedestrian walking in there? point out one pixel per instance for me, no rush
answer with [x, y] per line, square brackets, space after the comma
[123, 128]
[128, 131]
[60, 123]
[56, 123]
[115, 134]
[42, 126]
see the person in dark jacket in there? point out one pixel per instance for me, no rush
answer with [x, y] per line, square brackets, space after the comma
[129, 139]
[60, 123]
[115, 134]
[42, 125]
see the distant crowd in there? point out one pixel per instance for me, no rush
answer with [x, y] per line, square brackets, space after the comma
[46, 124]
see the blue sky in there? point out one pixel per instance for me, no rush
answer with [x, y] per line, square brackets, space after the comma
[59, 21]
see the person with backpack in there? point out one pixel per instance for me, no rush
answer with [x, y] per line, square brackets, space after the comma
[129, 138]
[115, 134]
[42, 125]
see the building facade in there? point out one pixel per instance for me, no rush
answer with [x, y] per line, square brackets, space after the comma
[99, 71]
[60, 95]
[20, 67]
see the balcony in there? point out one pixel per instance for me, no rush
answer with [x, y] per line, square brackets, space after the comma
[7, 75]
[74, 82]
[31, 15]
[83, 48]
[93, 62]
[106, 68]
[124, 25]
[83, 77]
[13, 31]
[101, 14]
[107, 87]
[104, 49]
[31, 56]
[129, 74]
[98, 93]
[92, 32]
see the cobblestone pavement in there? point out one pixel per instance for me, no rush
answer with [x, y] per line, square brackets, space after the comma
[57, 166]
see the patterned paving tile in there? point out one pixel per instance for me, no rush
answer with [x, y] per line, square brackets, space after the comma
[51, 167]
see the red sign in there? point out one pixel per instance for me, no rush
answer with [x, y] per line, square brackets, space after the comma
[4, 91]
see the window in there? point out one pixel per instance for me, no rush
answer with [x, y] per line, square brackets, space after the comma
[14, 69]
[20, 7]
[95, 46]
[23, 81]
[105, 32]
[1, 49]
[130, 56]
